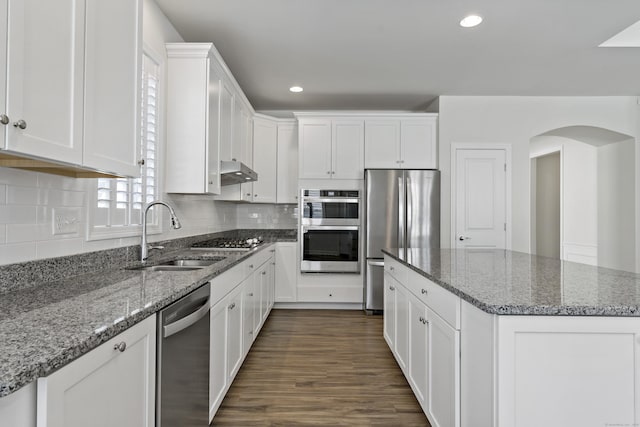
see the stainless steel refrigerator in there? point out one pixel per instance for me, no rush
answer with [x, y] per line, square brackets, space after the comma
[402, 210]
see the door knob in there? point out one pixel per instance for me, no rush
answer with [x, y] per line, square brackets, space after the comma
[20, 124]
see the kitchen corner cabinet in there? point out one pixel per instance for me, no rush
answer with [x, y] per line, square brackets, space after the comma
[331, 148]
[265, 158]
[422, 328]
[71, 70]
[287, 176]
[408, 142]
[112, 385]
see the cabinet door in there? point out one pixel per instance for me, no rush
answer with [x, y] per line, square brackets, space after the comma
[402, 326]
[382, 144]
[105, 387]
[389, 313]
[287, 181]
[418, 144]
[247, 137]
[113, 54]
[285, 272]
[418, 339]
[248, 307]
[45, 78]
[226, 121]
[347, 153]
[315, 149]
[4, 23]
[443, 374]
[265, 292]
[212, 157]
[218, 379]
[234, 333]
[265, 141]
[239, 132]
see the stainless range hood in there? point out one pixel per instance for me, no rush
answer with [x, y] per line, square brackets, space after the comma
[232, 172]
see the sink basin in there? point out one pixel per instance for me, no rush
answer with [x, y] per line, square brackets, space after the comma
[167, 268]
[193, 262]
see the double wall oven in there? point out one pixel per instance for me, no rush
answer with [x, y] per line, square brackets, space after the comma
[330, 231]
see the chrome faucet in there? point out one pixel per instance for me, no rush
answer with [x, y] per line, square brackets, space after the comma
[144, 246]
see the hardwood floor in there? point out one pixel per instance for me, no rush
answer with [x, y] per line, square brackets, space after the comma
[320, 368]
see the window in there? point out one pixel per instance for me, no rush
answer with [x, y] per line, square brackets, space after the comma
[117, 211]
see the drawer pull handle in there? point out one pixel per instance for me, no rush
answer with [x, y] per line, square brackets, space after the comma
[424, 291]
[120, 347]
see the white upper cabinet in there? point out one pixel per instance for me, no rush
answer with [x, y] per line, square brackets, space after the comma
[72, 80]
[407, 142]
[265, 143]
[112, 86]
[331, 148]
[287, 179]
[193, 119]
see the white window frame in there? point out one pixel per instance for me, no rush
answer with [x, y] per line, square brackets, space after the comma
[155, 215]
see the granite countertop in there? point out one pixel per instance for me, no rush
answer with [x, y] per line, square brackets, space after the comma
[45, 327]
[515, 283]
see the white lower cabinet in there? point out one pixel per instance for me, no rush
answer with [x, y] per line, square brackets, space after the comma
[112, 385]
[242, 300]
[426, 347]
[285, 272]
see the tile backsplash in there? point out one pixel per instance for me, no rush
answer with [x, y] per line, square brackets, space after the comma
[44, 216]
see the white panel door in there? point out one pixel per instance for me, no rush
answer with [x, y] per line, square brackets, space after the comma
[418, 339]
[285, 286]
[265, 134]
[234, 333]
[45, 78]
[287, 182]
[418, 144]
[251, 299]
[218, 380]
[402, 327]
[480, 209]
[226, 122]
[4, 23]
[389, 310]
[382, 144]
[113, 54]
[315, 149]
[347, 149]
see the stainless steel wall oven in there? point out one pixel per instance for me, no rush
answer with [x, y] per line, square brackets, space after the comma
[330, 231]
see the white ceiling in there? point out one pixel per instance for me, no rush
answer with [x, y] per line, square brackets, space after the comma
[401, 54]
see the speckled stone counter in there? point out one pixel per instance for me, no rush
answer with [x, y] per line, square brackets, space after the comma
[46, 324]
[515, 283]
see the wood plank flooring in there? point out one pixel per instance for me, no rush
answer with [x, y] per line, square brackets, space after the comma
[320, 368]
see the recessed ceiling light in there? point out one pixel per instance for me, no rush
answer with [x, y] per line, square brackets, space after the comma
[471, 21]
[296, 89]
[238, 173]
[247, 178]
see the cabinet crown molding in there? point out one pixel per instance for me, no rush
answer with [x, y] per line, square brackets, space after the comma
[362, 114]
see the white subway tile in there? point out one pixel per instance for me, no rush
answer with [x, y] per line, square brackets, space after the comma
[17, 195]
[18, 177]
[3, 194]
[17, 214]
[3, 234]
[18, 252]
[17, 233]
[45, 180]
[56, 248]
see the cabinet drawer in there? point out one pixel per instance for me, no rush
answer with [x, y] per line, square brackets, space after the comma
[339, 294]
[438, 299]
[395, 269]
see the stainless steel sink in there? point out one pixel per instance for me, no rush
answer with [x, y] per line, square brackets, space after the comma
[179, 265]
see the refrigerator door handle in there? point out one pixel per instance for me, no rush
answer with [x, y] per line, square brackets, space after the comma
[401, 213]
[409, 208]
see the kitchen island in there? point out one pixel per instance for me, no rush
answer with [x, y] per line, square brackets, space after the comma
[514, 339]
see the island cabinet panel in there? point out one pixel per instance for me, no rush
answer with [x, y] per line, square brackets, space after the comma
[389, 307]
[112, 385]
[544, 359]
[418, 350]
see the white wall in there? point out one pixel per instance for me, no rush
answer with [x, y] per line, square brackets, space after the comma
[515, 120]
[547, 229]
[616, 206]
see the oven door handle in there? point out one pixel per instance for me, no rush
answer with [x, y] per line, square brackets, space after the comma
[328, 200]
[306, 228]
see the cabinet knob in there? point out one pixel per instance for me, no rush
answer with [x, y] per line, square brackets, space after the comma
[120, 347]
[255, 195]
[234, 159]
[20, 124]
[250, 265]
[264, 272]
[272, 250]
[391, 288]
[273, 263]
[141, 162]
[232, 306]
[424, 291]
[333, 172]
[421, 319]
[4, 119]
[210, 182]
[425, 321]
[250, 294]
[328, 172]
[250, 332]
[330, 295]
[391, 268]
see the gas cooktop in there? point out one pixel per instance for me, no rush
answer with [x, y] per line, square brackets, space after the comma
[226, 244]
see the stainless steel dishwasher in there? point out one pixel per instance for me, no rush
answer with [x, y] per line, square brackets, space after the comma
[182, 385]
